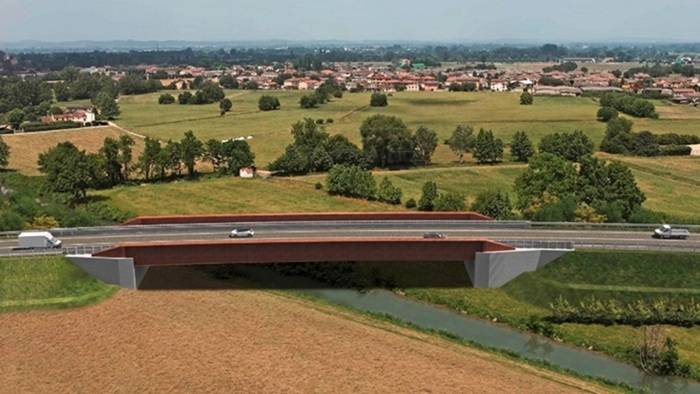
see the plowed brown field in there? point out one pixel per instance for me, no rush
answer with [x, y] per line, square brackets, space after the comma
[237, 340]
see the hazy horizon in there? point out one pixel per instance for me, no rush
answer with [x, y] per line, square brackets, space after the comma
[467, 21]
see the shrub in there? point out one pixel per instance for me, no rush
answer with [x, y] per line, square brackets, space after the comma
[318, 186]
[308, 101]
[268, 103]
[378, 100]
[677, 139]
[571, 146]
[10, 220]
[639, 313]
[389, 193]
[674, 150]
[450, 201]
[351, 181]
[411, 203]
[320, 121]
[526, 99]
[427, 198]
[607, 113]
[630, 105]
[166, 98]
[495, 204]
[30, 127]
[44, 222]
[329, 120]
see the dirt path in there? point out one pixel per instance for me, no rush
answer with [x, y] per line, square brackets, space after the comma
[237, 340]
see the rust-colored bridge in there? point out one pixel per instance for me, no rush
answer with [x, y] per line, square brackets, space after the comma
[295, 250]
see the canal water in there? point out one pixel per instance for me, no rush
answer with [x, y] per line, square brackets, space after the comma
[427, 316]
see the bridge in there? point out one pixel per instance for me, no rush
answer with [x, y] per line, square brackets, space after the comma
[488, 263]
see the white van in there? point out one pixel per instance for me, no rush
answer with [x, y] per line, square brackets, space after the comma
[37, 240]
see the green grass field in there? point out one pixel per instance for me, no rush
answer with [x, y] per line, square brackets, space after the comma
[669, 184]
[231, 195]
[442, 111]
[47, 282]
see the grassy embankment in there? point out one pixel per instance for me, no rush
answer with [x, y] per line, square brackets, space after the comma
[47, 282]
[624, 276]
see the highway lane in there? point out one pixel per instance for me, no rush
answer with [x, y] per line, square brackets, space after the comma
[581, 238]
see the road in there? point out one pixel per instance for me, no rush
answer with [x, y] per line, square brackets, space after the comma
[521, 235]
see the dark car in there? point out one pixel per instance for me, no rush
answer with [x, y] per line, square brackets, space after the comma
[434, 235]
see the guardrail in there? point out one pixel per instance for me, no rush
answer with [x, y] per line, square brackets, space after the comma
[522, 224]
[535, 244]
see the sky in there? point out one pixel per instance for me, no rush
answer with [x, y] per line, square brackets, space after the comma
[351, 20]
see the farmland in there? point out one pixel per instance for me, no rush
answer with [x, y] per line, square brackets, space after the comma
[192, 339]
[25, 148]
[441, 111]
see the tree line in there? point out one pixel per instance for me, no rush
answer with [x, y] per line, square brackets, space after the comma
[71, 171]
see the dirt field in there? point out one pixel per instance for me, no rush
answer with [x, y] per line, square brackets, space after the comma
[25, 148]
[241, 341]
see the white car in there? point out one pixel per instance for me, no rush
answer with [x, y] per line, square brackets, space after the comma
[667, 232]
[242, 233]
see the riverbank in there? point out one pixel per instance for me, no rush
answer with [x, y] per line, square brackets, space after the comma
[524, 303]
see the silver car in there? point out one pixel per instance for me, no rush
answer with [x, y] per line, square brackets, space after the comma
[242, 233]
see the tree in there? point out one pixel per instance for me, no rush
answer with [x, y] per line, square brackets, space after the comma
[386, 141]
[268, 103]
[228, 82]
[184, 98]
[225, 105]
[125, 154]
[308, 101]
[378, 100]
[428, 195]
[493, 203]
[351, 181]
[389, 193]
[606, 113]
[4, 154]
[106, 106]
[320, 159]
[68, 170]
[211, 92]
[166, 98]
[191, 150]
[170, 159]
[487, 148]
[426, 140]
[546, 173]
[461, 141]
[521, 148]
[237, 154]
[293, 161]
[571, 146]
[526, 98]
[342, 151]
[110, 161]
[15, 118]
[148, 159]
[450, 201]
[618, 136]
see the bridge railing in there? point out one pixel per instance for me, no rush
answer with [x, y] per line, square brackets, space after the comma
[539, 244]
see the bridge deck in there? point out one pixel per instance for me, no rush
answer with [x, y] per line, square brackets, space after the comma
[303, 250]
